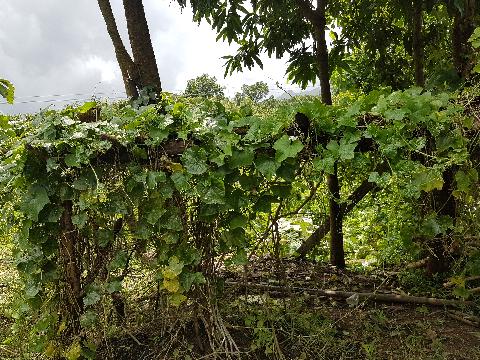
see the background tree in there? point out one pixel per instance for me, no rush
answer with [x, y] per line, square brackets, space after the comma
[142, 70]
[204, 86]
[256, 92]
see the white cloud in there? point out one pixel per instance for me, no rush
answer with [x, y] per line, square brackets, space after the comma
[108, 69]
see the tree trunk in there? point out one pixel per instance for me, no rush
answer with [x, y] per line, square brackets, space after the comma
[69, 258]
[418, 51]
[444, 204]
[141, 44]
[463, 27]
[127, 66]
[322, 53]
[337, 255]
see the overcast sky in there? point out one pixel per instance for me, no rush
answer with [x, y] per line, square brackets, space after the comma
[56, 50]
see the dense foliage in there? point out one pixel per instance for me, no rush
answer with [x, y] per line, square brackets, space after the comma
[204, 86]
[184, 188]
[206, 183]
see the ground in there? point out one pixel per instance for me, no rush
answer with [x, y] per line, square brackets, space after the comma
[283, 325]
[287, 324]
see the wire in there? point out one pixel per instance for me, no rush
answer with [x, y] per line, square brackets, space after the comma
[59, 100]
[53, 98]
[62, 95]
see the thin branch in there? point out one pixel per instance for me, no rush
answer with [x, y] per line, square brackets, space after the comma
[312, 194]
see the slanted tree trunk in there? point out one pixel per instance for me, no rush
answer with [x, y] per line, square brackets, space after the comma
[360, 192]
[418, 50]
[127, 66]
[141, 44]
[142, 70]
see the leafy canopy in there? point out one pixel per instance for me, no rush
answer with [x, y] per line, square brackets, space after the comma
[204, 86]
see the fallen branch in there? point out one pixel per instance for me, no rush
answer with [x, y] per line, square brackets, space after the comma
[469, 317]
[466, 319]
[404, 299]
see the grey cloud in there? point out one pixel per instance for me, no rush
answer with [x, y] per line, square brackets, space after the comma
[43, 44]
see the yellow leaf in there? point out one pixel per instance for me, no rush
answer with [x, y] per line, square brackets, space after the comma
[175, 167]
[62, 327]
[172, 285]
[168, 274]
[177, 299]
[50, 350]
[74, 351]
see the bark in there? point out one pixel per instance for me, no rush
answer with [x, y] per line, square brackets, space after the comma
[418, 50]
[318, 20]
[463, 27]
[337, 254]
[69, 258]
[141, 44]
[125, 62]
[363, 189]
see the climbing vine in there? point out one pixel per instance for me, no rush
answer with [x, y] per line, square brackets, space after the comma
[198, 183]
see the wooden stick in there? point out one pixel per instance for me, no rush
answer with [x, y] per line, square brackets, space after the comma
[405, 299]
[451, 283]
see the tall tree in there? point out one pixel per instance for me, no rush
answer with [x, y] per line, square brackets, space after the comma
[464, 23]
[142, 70]
[317, 18]
[256, 92]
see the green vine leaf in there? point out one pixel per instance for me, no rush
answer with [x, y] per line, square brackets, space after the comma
[91, 298]
[34, 201]
[194, 160]
[285, 148]
[266, 166]
[241, 158]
